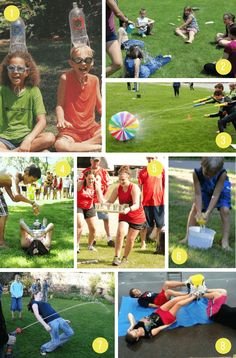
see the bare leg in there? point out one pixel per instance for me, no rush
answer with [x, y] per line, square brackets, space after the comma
[143, 234]
[3, 148]
[191, 222]
[42, 141]
[3, 220]
[180, 33]
[191, 35]
[64, 145]
[121, 232]
[91, 222]
[181, 303]
[114, 52]
[130, 238]
[79, 229]
[225, 219]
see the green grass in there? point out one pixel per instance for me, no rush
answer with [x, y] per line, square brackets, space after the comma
[61, 254]
[105, 255]
[167, 124]
[187, 60]
[180, 202]
[88, 321]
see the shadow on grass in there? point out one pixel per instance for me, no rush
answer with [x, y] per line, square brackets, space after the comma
[61, 254]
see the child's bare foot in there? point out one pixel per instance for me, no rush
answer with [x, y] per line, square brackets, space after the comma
[226, 247]
[184, 241]
[143, 246]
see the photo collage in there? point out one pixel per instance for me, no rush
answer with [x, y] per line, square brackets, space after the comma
[117, 179]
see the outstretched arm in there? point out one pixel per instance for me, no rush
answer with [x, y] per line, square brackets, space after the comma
[131, 321]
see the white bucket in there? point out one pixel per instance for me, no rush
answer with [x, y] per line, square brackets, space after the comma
[201, 238]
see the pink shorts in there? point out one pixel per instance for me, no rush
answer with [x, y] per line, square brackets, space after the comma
[166, 316]
[214, 305]
[160, 299]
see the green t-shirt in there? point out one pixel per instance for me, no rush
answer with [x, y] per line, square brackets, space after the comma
[18, 112]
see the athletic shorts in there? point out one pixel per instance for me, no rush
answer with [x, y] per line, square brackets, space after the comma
[16, 304]
[160, 298]
[224, 199]
[3, 206]
[88, 213]
[155, 215]
[8, 144]
[102, 215]
[135, 226]
[111, 37]
[166, 316]
[214, 305]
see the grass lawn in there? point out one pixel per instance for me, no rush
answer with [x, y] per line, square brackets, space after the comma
[105, 254]
[88, 321]
[167, 124]
[61, 254]
[187, 60]
[180, 202]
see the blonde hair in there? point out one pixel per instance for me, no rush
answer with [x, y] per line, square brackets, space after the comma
[212, 164]
[124, 169]
[81, 48]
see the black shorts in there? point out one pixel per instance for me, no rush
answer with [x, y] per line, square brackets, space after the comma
[155, 215]
[88, 213]
[135, 226]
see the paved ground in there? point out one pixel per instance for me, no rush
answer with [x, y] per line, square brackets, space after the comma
[191, 164]
[193, 342]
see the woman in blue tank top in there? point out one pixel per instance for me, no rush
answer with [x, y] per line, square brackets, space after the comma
[51, 321]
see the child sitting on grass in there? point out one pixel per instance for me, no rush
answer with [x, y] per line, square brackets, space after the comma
[144, 24]
[212, 189]
[22, 112]
[77, 98]
[224, 39]
[229, 54]
[134, 67]
[189, 28]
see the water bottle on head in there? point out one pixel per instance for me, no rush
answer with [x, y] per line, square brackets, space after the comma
[78, 27]
[17, 36]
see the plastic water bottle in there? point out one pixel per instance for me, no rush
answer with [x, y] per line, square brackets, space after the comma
[17, 36]
[77, 26]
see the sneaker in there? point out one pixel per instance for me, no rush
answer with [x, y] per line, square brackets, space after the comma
[91, 248]
[124, 261]
[116, 261]
[111, 243]
[143, 35]
[78, 249]
[43, 353]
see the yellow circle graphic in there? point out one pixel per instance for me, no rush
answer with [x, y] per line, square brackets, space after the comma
[223, 345]
[11, 13]
[223, 140]
[154, 168]
[223, 67]
[100, 345]
[62, 168]
[179, 256]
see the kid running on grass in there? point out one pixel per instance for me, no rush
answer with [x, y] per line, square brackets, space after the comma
[224, 39]
[144, 24]
[160, 319]
[134, 67]
[212, 189]
[51, 321]
[10, 182]
[22, 112]
[189, 28]
[77, 98]
[153, 299]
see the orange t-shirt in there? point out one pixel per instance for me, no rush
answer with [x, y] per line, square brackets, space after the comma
[79, 107]
[153, 188]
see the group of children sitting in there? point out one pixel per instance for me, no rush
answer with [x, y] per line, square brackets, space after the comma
[22, 111]
[188, 30]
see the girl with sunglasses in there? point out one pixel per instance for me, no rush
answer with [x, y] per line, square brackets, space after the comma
[22, 112]
[78, 97]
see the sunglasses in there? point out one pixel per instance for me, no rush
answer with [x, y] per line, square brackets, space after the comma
[18, 69]
[78, 60]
